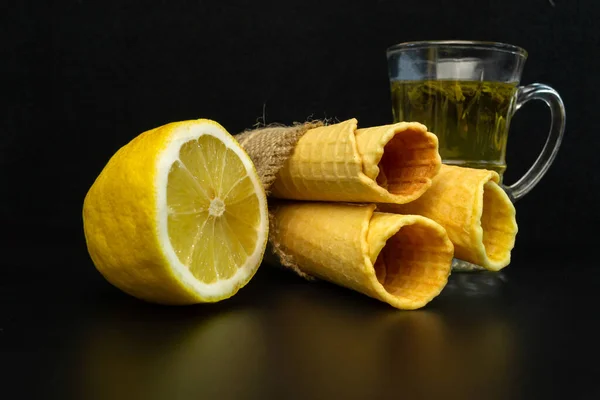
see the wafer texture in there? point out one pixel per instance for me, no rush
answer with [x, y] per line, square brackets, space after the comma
[387, 164]
[477, 214]
[403, 260]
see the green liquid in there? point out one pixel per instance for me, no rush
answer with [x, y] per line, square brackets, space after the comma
[470, 118]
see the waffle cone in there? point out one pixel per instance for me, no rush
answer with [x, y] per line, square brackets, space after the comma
[385, 164]
[403, 260]
[477, 214]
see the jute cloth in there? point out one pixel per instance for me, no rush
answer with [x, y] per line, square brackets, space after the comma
[269, 148]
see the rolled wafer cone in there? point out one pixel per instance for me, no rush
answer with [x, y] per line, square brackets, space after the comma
[387, 164]
[477, 214]
[403, 260]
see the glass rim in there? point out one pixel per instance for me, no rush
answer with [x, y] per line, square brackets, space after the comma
[472, 44]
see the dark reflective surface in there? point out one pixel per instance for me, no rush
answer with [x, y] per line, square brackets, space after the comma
[526, 332]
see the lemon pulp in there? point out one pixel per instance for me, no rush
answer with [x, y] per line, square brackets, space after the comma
[213, 212]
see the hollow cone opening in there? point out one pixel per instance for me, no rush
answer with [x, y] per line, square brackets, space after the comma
[413, 263]
[407, 266]
[409, 160]
[498, 223]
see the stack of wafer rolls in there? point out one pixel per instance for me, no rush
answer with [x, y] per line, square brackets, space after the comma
[375, 210]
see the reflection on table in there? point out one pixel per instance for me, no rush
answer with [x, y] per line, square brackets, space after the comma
[307, 340]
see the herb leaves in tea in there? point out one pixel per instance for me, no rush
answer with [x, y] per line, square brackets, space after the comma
[470, 118]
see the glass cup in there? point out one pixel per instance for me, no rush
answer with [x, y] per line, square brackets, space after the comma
[466, 93]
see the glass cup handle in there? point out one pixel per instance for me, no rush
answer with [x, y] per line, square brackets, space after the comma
[537, 91]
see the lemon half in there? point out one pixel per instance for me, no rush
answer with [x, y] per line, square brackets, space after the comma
[178, 215]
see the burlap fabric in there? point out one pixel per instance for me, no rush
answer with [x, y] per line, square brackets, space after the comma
[269, 148]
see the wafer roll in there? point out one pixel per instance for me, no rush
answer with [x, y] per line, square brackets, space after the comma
[477, 214]
[403, 260]
[386, 164]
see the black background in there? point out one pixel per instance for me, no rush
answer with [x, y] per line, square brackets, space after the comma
[81, 78]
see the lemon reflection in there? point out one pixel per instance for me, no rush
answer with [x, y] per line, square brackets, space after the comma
[220, 356]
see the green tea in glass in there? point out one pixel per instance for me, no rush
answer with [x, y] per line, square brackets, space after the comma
[466, 93]
[474, 128]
